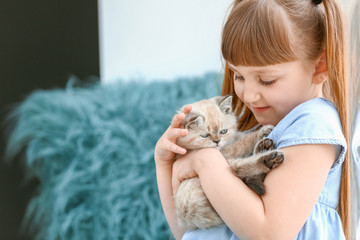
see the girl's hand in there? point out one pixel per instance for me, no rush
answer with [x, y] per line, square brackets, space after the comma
[189, 165]
[166, 147]
[183, 168]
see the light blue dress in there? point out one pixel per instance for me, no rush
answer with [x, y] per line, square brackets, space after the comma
[313, 122]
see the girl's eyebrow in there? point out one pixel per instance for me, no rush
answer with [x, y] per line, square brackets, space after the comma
[262, 71]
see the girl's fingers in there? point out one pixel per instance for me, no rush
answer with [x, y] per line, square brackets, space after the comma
[187, 109]
[176, 121]
[182, 169]
[175, 181]
[175, 185]
[175, 148]
[175, 133]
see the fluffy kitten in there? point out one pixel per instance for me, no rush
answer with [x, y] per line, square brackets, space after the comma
[212, 123]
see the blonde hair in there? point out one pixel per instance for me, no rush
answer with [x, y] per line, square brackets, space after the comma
[266, 32]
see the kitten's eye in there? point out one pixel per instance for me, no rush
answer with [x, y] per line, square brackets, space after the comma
[204, 135]
[223, 131]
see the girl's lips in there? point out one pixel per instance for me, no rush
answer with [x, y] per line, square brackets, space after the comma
[260, 109]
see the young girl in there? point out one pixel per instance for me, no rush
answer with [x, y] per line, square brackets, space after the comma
[285, 63]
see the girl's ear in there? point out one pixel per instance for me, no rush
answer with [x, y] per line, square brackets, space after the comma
[320, 74]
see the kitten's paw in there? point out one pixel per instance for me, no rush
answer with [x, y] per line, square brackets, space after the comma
[264, 145]
[273, 159]
[265, 130]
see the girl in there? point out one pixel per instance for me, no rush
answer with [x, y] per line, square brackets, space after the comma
[285, 63]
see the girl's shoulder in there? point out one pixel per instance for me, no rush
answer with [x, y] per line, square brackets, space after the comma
[313, 122]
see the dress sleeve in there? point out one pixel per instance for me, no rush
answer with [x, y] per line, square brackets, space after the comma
[313, 122]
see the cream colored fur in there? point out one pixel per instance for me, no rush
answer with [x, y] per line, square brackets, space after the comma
[212, 123]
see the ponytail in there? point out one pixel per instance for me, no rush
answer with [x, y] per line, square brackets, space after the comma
[335, 55]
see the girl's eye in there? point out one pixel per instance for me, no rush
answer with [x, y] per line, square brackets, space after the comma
[238, 77]
[204, 135]
[223, 131]
[266, 83]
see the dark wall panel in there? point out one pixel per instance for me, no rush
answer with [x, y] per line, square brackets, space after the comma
[42, 43]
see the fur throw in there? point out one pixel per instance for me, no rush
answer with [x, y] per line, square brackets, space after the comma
[92, 150]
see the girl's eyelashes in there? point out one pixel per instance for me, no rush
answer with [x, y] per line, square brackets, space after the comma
[266, 83]
[238, 77]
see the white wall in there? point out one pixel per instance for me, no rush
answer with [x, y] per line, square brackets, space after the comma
[159, 39]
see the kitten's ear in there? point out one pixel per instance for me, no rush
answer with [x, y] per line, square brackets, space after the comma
[225, 104]
[192, 121]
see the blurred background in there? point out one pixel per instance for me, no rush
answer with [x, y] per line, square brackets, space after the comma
[159, 39]
[43, 43]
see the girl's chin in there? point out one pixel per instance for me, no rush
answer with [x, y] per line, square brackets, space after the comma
[265, 122]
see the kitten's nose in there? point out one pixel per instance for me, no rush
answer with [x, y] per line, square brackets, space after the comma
[217, 141]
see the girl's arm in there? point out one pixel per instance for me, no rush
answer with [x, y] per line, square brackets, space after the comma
[167, 200]
[164, 155]
[292, 190]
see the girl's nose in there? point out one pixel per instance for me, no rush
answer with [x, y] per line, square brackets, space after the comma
[251, 93]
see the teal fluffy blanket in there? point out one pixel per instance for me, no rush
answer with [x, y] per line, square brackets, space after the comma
[92, 149]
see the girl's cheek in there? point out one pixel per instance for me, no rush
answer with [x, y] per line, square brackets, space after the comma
[239, 91]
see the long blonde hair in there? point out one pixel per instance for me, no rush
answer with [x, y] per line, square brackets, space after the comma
[266, 32]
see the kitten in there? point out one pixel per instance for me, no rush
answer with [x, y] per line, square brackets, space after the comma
[212, 123]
